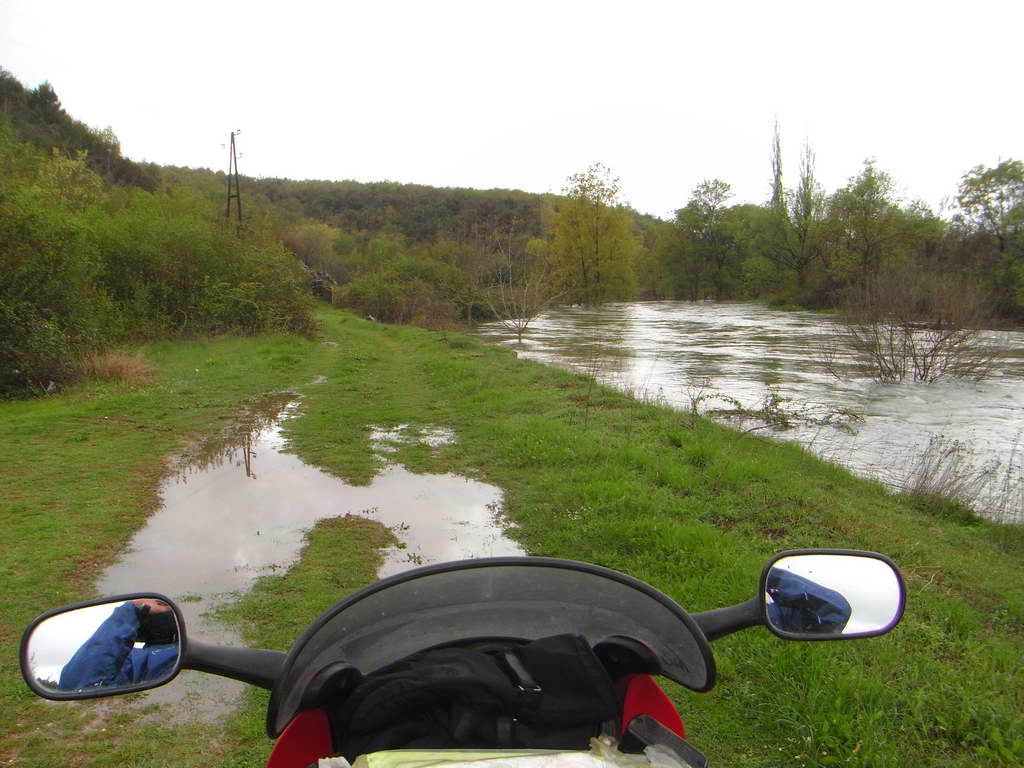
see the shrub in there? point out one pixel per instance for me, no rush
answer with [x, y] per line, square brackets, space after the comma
[84, 267]
[409, 290]
[34, 350]
[906, 325]
[113, 366]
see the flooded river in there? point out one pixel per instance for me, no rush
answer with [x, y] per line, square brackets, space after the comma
[677, 351]
[238, 507]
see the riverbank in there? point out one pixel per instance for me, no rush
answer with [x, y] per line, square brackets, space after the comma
[960, 438]
[589, 474]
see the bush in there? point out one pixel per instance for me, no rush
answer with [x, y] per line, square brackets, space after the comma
[907, 325]
[84, 267]
[410, 290]
[34, 351]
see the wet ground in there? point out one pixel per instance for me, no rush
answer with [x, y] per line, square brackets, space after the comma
[237, 507]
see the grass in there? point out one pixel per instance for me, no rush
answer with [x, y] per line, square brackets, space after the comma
[588, 473]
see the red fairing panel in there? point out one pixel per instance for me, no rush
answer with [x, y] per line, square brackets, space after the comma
[645, 697]
[306, 739]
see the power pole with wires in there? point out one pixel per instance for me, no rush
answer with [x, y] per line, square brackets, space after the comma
[233, 181]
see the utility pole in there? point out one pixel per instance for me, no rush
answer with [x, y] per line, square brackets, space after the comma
[233, 175]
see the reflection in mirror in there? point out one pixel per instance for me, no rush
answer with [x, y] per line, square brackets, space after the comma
[821, 595]
[106, 647]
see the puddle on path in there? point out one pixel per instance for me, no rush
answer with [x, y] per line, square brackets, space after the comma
[237, 507]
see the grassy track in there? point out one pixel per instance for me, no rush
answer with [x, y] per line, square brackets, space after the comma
[588, 474]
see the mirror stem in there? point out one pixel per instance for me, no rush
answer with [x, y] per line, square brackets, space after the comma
[250, 665]
[724, 621]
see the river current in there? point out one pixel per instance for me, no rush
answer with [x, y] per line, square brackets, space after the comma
[679, 352]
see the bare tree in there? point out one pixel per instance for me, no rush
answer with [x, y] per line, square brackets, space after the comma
[525, 284]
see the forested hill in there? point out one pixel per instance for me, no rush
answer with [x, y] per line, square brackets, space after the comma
[37, 118]
[417, 212]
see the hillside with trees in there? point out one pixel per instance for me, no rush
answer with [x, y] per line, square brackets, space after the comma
[98, 250]
[90, 258]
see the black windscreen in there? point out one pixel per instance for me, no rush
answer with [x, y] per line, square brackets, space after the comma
[523, 598]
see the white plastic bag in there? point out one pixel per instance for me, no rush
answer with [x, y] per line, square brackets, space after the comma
[603, 753]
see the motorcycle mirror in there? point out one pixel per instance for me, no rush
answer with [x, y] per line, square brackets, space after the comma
[103, 647]
[831, 594]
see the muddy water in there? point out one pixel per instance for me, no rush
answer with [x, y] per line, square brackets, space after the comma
[237, 507]
[666, 350]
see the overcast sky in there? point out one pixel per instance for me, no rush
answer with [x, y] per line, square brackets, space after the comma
[522, 94]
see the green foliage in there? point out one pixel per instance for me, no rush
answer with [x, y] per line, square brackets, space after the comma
[992, 204]
[34, 350]
[708, 246]
[412, 288]
[593, 239]
[792, 231]
[864, 225]
[37, 117]
[417, 212]
[173, 266]
[313, 243]
[84, 266]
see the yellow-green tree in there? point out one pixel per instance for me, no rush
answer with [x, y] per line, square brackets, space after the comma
[594, 244]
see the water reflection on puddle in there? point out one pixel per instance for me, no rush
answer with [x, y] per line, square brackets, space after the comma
[237, 508]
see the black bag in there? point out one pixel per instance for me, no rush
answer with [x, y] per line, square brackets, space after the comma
[552, 693]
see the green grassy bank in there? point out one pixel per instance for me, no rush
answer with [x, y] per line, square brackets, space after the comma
[589, 474]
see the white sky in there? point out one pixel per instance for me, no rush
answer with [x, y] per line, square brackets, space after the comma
[520, 95]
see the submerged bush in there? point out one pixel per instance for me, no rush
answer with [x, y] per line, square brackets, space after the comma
[920, 327]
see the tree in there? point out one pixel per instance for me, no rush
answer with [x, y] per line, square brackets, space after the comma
[593, 239]
[69, 180]
[864, 225]
[47, 107]
[795, 233]
[474, 263]
[708, 245]
[992, 204]
[993, 199]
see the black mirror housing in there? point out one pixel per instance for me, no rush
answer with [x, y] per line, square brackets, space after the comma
[104, 647]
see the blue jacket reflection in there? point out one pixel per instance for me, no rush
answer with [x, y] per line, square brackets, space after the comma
[109, 658]
[804, 606]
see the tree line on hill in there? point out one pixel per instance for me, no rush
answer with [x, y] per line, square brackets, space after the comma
[404, 252]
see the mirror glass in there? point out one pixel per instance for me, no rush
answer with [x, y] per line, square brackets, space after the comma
[821, 595]
[105, 648]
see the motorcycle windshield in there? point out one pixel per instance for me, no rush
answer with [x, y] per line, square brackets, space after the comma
[516, 598]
